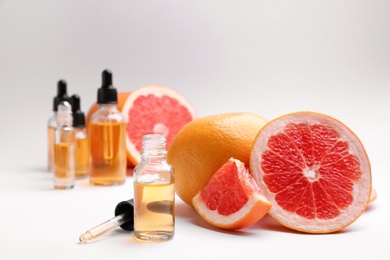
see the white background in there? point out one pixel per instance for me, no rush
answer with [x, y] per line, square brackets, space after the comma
[265, 57]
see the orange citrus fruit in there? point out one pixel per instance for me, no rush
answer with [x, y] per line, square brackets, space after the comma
[147, 110]
[231, 199]
[205, 144]
[314, 170]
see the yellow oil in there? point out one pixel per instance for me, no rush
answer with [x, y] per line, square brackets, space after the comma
[64, 166]
[50, 143]
[154, 216]
[82, 158]
[108, 153]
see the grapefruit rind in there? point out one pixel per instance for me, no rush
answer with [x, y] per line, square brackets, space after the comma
[361, 189]
[158, 91]
[237, 220]
[252, 211]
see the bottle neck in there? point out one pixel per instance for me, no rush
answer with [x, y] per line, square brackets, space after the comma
[64, 120]
[108, 107]
[153, 148]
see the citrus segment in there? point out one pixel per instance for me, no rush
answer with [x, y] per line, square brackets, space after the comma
[154, 110]
[314, 170]
[232, 199]
[205, 144]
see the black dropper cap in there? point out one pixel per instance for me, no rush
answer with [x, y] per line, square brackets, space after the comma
[126, 208]
[78, 115]
[61, 94]
[107, 94]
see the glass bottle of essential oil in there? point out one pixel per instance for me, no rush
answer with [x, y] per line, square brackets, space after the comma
[52, 123]
[154, 192]
[82, 154]
[64, 142]
[106, 131]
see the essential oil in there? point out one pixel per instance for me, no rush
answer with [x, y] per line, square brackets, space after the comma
[108, 153]
[64, 142]
[52, 123]
[82, 153]
[106, 131]
[154, 192]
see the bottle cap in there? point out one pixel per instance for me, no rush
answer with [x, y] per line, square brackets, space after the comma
[107, 94]
[78, 115]
[61, 94]
[64, 114]
[127, 209]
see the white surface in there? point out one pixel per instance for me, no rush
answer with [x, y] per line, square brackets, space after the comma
[265, 57]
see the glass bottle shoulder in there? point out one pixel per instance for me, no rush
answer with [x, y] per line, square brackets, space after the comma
[107, 113]
[158, 171]
[52, 122]
[80, 132]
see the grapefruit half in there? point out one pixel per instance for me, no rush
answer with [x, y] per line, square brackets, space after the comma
[147, 110]
[154, 109]
[231, 200]
[314, 170]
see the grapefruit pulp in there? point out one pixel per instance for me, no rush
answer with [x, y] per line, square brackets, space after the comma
[154, 110]
[314, 170]
[232, 199]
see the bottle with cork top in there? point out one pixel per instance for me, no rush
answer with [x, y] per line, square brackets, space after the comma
[106, 131]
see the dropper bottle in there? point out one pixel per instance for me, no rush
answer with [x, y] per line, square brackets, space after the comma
[82, 154]
[52, 123]
[106, 131]
[64, 142]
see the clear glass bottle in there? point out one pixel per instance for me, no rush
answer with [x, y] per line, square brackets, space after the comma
[52, 123]
[107, 135]
[154, 192]
[82, 154]
[64, 142]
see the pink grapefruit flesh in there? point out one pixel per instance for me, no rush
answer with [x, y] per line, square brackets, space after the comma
[231, 199]
[314, 170]
[154, 109]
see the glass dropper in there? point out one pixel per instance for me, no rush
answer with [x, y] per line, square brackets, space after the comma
[124, 217]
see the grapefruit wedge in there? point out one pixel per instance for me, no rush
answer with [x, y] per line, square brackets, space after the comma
[314, 170]
[231, 200]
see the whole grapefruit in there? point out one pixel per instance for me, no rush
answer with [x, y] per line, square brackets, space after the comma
[203, 145]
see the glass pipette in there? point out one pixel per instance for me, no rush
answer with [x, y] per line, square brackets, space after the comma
[124, 217]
